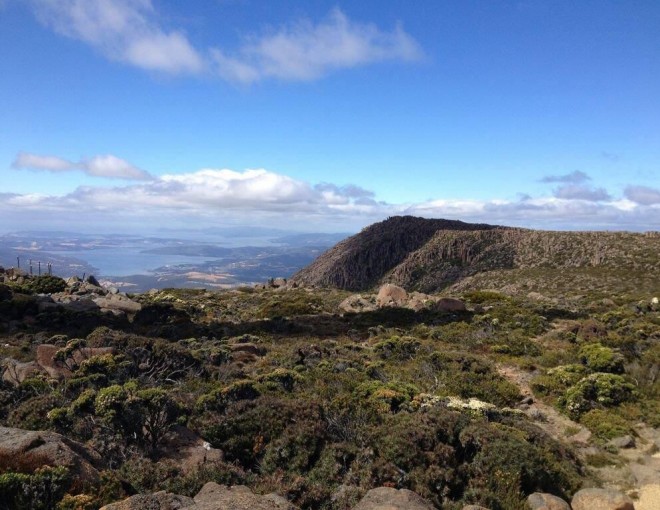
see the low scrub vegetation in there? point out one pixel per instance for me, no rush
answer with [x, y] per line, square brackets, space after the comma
[321, 407]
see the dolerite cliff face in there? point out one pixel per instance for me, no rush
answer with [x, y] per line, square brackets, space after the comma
[361, 261]
[429, 255]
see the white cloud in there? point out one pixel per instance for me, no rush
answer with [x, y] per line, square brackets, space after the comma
[545, 212]
[306, 51]
[49, 163]
[129, 31]
[122, 30]
[99, 166]
[204, 197]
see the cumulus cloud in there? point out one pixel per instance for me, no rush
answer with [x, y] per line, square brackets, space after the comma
[259, 195]
[306, 51]
[99, 166]
[129, 31]
[579, 192]
[575, 177]
[122, 30]
[642, 195]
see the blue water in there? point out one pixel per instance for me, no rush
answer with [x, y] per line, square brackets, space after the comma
[128, 261]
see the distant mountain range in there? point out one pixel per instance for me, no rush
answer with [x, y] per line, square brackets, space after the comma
[432, 254]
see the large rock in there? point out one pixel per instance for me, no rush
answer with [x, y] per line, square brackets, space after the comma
[449, 305]
[117, 302]
[601, 499]
[57, 369]
[16, 372]
[543, 501]
[35, 449]
[158, 501]
[391, 295]
[387, 498]
[220, 497]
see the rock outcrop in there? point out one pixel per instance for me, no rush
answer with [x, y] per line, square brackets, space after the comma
[30, 450]
[430, 255]
[394, 296]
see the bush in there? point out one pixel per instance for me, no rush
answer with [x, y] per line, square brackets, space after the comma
[218, 399]
[601, 359]
[397, 348]
[41, 490]
[605, 424]
[597, 390]
[46, 284]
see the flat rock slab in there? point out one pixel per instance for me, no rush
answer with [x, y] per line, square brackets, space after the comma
[220, 497]
[601, 499]
[387, 498]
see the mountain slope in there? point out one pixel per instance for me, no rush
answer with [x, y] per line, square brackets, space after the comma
[429, 255]
[362, 260]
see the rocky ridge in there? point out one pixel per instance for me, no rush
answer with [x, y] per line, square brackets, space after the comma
[430, 255]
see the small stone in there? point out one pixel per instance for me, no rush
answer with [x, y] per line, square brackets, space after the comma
[626, 441]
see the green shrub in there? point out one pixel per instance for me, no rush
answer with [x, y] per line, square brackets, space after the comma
[218, 399]
[484, 296]
[597, 390]
[605, 424]
[46, 284]
[601, 359]
[397, 348]
[41, 490]
[280, 378]
[385, 397]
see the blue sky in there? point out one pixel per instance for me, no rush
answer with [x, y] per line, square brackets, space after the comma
[139, 114]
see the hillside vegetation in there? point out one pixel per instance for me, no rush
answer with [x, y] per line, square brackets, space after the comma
[444, 253]
[545, 379]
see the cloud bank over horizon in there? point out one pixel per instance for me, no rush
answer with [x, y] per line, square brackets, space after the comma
[129, 31]
[209, 195]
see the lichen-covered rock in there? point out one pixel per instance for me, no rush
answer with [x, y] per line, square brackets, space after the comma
[158, 501]
[391, 295]
[61, 369]
[117, 302]
[387, 498]
[543, 501]
[626, 441]
[16, 372]
[44, 448]
[601, 499]
[357, 304]
[220, 497]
